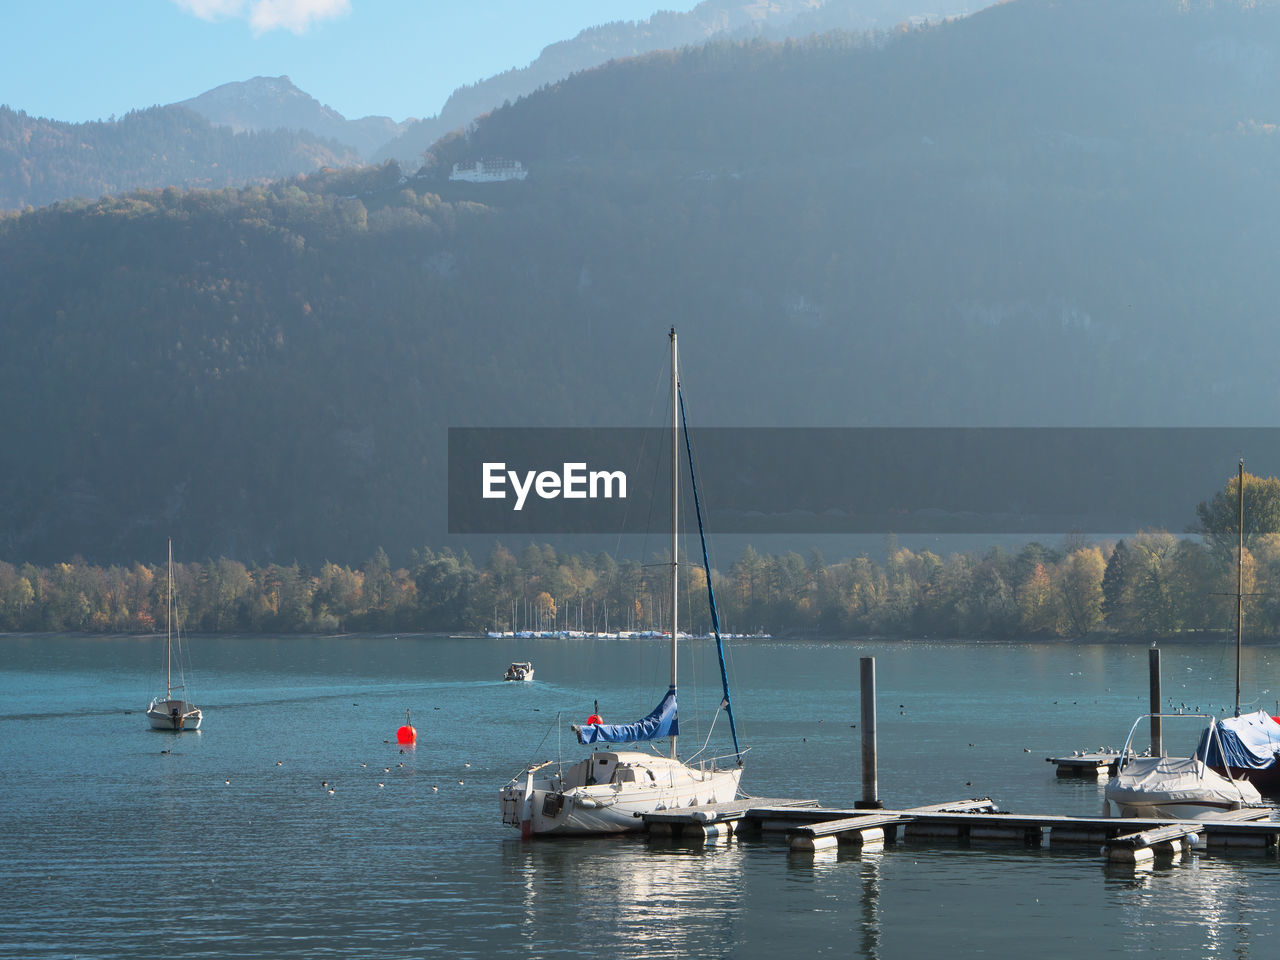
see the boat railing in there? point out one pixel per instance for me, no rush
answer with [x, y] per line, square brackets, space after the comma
[710, 763]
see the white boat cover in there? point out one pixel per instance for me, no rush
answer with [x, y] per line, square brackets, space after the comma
[1163, 780]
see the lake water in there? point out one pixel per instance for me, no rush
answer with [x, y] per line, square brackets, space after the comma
[117, 841]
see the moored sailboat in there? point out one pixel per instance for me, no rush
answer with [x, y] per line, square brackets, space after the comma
[173, 712]
[1244, 747]
[610, 790]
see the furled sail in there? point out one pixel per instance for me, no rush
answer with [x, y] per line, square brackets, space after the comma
[661, 722]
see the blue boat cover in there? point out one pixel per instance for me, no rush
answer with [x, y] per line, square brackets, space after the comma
[1249, 742]
[661, 722]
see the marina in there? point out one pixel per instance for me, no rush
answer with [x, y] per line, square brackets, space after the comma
[1183, 811]
[405, 858]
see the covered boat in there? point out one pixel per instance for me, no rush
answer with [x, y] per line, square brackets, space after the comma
[1246, 747]
[1180, 788]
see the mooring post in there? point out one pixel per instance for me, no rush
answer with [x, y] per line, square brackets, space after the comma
[870, 789]
[1153, 661]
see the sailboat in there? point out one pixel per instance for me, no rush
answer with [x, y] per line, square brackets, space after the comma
[1245, 747]
[611, 789]
[173, 712]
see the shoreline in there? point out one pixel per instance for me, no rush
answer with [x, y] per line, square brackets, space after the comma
[1187, 639]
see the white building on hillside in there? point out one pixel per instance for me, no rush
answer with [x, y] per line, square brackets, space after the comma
[488, 171]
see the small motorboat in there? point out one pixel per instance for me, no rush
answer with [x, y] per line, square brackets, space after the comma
[520, 670]
[1179, 788]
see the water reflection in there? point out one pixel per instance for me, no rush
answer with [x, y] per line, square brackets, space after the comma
[1212, 906]
[840, 866]
[627, 896]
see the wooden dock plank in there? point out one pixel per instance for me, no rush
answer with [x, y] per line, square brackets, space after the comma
[1149, 838]
[848, 825]
[731, 810]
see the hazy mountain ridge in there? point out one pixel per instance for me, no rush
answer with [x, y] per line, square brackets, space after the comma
[43, 161]
[1027, 70]
[270, 103]
[1047, 213]
[665, 30]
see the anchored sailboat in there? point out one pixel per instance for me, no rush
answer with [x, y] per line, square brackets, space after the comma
[610, 790]
[173, 712]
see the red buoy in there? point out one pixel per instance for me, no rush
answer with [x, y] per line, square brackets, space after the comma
[406, 734]
[594, 718]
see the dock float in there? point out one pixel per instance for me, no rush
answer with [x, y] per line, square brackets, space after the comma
[714, 820]
[810, 827]
[1095, 765]
[1143, 846]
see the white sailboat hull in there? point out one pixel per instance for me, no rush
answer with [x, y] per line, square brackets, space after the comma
[174, 715]
[630, 785]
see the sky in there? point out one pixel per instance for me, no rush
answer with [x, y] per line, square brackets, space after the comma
[79, 60]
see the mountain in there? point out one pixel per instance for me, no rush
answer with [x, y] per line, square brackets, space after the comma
[43, 161]
[1053, 212]
[266, 128]
[665, 30]
[271, 103]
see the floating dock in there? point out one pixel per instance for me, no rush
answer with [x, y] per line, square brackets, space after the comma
[1095, 765]
[810, 827]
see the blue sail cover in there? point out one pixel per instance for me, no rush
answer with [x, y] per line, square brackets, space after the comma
[662, 722]
[1249, 742]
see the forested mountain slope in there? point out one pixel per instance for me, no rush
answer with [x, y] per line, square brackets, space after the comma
[46, 160]
[1048, 213]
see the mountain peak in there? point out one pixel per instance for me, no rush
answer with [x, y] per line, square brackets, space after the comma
[270, 103]
[263, 103]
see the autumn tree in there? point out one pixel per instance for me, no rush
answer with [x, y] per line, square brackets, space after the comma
[1080, 591]
[1220, 516]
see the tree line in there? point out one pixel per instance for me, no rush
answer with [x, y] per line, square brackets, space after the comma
[1153, 584]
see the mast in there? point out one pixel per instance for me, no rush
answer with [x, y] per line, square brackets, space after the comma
[675, 514]
[1239, 579]
[168, 623]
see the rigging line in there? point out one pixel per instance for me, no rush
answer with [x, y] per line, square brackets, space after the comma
[710, 730]
[538, 748]
[711, 596]
[639, 459]
[706, 533]
[691, 660]
[559, 748]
